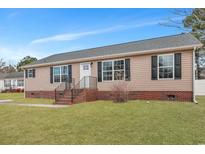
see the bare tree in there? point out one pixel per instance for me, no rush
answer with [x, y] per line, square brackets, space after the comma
[2, 65]
[193, 21]
[188, 20]
[119, 89]
[9, 69]
[6, 68]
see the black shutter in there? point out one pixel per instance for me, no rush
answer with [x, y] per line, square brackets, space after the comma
[99, 71]
[154, 68]
[51, 74]
[177, 65]
[34, 73]
[26, 73]
[70, 73]
[127, 70]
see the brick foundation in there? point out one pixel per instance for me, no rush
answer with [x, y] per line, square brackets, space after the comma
[92, 95]
[86, 95]
[40, 94]
[150, 95]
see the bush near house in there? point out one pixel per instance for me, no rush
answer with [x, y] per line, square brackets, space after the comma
[120, 92]
[18, 90]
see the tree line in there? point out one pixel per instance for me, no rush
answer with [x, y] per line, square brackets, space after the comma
[8, 68]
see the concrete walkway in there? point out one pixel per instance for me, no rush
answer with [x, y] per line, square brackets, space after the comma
[9, 102]
[42, 105]
[5, 101]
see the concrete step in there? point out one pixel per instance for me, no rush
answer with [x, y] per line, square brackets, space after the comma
[63, 103]
[64, 99]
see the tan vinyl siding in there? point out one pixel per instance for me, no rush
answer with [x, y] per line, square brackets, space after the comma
[42, 80]
[140, 76]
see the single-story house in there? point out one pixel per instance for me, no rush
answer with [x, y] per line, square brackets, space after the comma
[158, 68]
[12, 81]
[2, 76]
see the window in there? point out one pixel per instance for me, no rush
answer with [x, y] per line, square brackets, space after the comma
[166, 66]
[113, 70]
[30, 73]
[119, 70]
[7, 83]
[20, 83]
[56, 74]
[60, 73]
[64, 73]
[107, 70]
[85, 67]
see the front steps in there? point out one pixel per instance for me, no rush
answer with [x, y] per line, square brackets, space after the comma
[80, 95]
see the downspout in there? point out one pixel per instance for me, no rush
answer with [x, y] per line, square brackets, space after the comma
[24, 72]
[193, 76]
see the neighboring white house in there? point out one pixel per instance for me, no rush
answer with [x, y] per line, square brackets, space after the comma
[200, 87]
[11, 81]
[2, 76]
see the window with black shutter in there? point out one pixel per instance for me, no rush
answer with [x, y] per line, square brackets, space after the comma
[70, 73]
[34, 73]
[127, 70]
[51, 74]
[154, 68]
[177, 64]
[30, 73]
[99, 71]
[26, 73]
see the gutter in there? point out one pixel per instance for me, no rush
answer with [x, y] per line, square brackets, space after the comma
[193, 76]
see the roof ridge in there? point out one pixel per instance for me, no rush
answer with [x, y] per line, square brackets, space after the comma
[176, 40]
[118, 44]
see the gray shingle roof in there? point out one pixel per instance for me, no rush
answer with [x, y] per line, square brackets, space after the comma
[2, 75]
[136, 46]
[11, 75]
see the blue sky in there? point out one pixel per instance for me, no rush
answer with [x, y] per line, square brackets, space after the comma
[42, 32]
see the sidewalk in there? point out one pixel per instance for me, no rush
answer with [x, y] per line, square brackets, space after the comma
[9, 102]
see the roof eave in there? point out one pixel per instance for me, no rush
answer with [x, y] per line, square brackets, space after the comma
[114, 56]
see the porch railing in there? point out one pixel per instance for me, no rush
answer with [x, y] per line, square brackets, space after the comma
[72, 89]
[63, 87]
[87, 82]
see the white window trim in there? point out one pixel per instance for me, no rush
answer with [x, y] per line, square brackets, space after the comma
[31, 73]
[113, 71]
[168, 66]
[60, 72]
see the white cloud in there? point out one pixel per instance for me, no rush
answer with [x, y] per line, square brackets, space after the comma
[75, 36]
[13, 14]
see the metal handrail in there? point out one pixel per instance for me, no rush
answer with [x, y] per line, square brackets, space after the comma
[77, 89]
[63, 87]
[87, 82]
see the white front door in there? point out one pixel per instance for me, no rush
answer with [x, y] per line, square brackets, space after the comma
[85, 72]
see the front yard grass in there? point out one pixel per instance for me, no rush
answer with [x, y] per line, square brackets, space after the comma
[19, 98]
[104, 122]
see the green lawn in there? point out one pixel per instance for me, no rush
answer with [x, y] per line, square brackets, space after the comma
[136, 122]
[19, 98]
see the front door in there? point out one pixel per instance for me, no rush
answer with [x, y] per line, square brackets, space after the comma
[85, 72]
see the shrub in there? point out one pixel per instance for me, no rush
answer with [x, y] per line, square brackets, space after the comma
[18, 90]
[120, 92]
